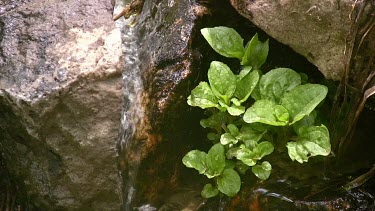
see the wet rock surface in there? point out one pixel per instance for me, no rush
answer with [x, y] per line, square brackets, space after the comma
[60, 102]
[152, 148]
[315, 29]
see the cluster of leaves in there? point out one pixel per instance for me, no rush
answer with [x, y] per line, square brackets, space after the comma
[240, 123]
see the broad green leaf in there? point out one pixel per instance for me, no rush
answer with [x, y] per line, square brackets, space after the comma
[209, 191]
[256, 53]
[224, 104]
[246, 85]
[233, 129]
[267, 112]
[222, 80]
[215, 160]
[251, 144]
[260, 126]
[255, 94]
[225, 41]
[302, 100]
[236, 110]
[229, 164]
[227, 138]
[308, 120]
[229, 182]
[235, 101]
[274, 84]
[281, 113]
[250, 46]
[243, 154]
[262, 149]
[312, 141]
[316, 139]
[202, 96]
[232, 152]
[215, 121]
[248, 133]
[262, 171]
[244, 72]
[222, 108]
[195, 159]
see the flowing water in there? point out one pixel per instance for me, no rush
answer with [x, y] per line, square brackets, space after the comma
[132, 111]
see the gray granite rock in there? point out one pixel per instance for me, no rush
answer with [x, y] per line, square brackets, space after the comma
[60, 101]
[313, 28]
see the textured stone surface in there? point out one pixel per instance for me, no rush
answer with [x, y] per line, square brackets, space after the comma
[316, 29]
[60, 101]
[159, 127]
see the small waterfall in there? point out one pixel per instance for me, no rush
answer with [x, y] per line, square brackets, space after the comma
[132, 110]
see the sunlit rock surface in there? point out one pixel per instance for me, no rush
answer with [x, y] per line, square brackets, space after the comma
[316, 29]
[60, 101]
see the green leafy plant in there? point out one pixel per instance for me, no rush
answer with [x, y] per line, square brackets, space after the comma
[280, 105]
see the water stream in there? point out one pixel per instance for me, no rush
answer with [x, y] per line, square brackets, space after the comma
[132, 111]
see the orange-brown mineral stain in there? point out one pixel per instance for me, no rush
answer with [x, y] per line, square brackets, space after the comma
[254, 204]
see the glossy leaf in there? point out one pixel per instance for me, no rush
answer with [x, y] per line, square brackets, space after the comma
[215, 120]
[248, 133]
[229, 164]
[235, 101]
[312, 141]
[202, 96]
[227, 138]
[274, 84]
[246, 70]
[251, 144]
[243, 154]
[262, 149]
[302, 100]
[262, 171]
[308, 120]
[250, 46]
[209, 191]
[225, 41]
[229, 182]
[256, 53]
[222, 80]
[255, 94]
[215, 161]
[236, 110]
[267, 112]
[246, 85]
[195, 159]
[233, 129]
[281, 113]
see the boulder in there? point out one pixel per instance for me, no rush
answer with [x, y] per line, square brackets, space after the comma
[313, 28]
[60, 102]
